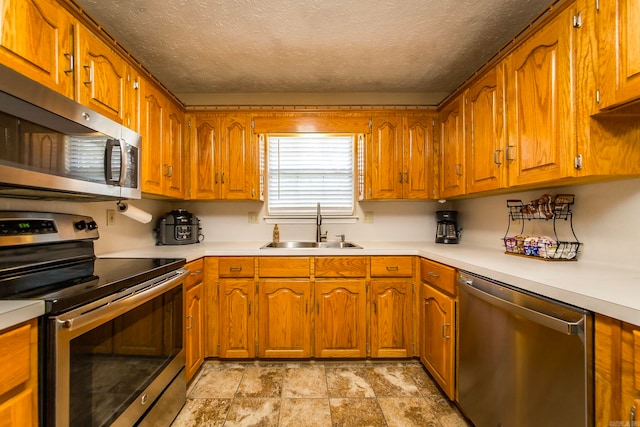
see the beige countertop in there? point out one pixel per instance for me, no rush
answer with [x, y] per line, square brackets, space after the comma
[15, 312]
[600, 288]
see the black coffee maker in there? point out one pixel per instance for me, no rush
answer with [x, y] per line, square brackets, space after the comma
[447, 227]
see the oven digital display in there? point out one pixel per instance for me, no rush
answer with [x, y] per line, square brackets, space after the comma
[27, 227]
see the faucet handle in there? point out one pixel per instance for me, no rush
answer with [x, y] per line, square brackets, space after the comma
[341, 236]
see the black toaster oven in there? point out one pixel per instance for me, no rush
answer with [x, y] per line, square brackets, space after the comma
[178, 227]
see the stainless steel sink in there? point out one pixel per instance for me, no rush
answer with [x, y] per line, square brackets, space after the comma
[308, 245]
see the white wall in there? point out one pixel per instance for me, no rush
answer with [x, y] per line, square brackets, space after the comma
[606, 220]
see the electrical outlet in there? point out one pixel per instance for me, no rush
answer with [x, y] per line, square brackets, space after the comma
[368, 217]
[111, 217]
[253, 218]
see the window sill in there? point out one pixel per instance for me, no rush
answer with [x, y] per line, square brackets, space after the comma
[310, 220]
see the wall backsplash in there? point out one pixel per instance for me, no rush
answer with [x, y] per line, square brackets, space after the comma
[604, 221]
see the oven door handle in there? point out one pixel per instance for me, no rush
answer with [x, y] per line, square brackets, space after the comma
[86, 317]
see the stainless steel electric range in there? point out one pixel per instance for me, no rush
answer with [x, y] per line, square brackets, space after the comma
[111, 340]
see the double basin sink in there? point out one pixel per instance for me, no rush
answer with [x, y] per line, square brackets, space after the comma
[311, 245]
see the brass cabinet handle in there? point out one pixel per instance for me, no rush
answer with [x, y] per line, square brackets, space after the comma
[400, 173]
[222, 176]
[249, 307]
[458, 167]
[406, 177]
[216, 178]
[392, 268]
[375, 307]
[432, 274]
[508, 152]
[169, 173]
[190, 322]
[235, 268]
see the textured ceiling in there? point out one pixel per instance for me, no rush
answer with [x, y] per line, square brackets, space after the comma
[326, 46]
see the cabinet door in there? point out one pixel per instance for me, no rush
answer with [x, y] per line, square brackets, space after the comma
[36, 39]
[484, 121]
[340, 324]
[541, 114]
[437, 337]
[194, 332]
[101, 76]
[385, 158]
[418, 166]
[451, 162]
[239, 159]
[172, 151]
[391, 332]
[205, 163]
[619, 32]
[152, 131]
[285, 319]
[237, 318]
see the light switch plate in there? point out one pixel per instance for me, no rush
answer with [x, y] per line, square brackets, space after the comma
[111, 217]
[368, 217]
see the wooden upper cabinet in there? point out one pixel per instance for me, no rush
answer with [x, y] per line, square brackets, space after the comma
[224, 157]
[541, 141]
[239, 158]
[152, 114]
[418, 164]
[385, 160]
[484, 133]
[173, 151]
[205, 169]
[451, 160]
[398, 157]
[102, 76]
[619, 63]
[36, 39]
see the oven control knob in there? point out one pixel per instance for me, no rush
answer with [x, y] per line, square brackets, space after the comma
[80, 225]
[92, 225]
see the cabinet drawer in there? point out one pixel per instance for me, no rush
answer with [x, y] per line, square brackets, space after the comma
[196, 272]
[439, 275]
[345, 266]
[236, 267]
[284, 266]
[392, 266]
[15, 357]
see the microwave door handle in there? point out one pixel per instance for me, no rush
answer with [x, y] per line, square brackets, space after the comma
[124, 163]
[107, 161]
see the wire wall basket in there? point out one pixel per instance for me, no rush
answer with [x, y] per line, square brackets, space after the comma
[549, 208]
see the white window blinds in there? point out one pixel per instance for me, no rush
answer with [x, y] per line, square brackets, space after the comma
[305, 170]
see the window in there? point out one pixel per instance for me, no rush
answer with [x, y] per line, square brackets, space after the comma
[307, 169]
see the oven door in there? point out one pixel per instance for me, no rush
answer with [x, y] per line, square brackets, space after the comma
[111, 359]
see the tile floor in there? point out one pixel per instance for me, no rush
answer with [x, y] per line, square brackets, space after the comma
[316, 393]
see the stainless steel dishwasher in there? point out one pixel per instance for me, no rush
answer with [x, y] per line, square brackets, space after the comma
[524, 360]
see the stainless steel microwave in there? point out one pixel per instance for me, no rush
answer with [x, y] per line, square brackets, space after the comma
[54, 147]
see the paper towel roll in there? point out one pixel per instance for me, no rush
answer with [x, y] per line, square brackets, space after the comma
[134, 213]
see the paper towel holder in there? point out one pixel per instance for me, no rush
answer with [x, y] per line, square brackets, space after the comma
[134, 213]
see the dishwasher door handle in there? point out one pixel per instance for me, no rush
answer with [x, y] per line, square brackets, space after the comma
[560, 325]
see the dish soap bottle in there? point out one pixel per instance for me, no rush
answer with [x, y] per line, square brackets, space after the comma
[276, 233]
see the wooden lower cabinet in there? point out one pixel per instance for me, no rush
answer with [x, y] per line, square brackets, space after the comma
[237, 318]
[391, 318]
[437, 336]
[341, 318]
[284, 319]
[617, 372]
[19, 375]
[194, 337]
